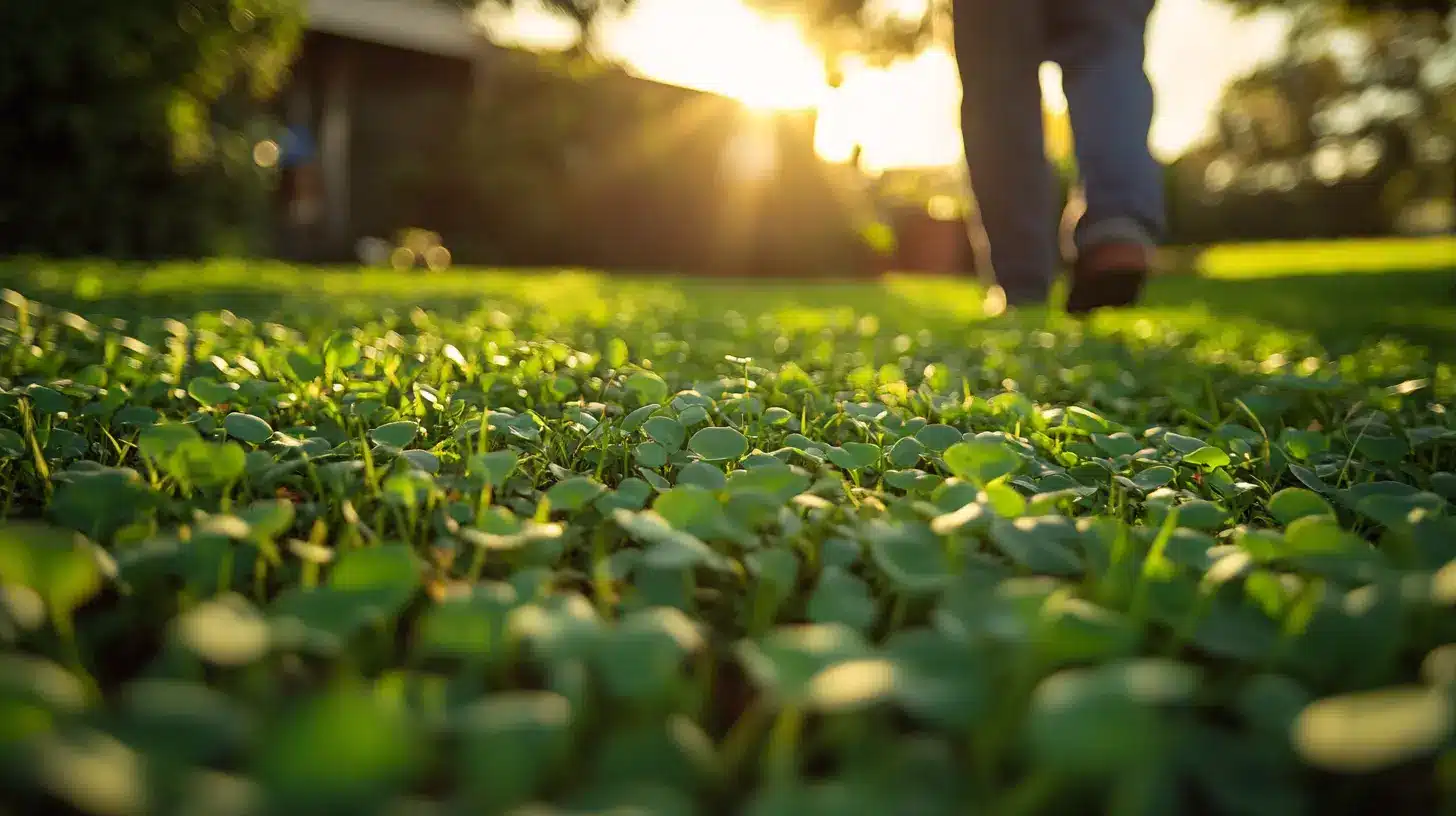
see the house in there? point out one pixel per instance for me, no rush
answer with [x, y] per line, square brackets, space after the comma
[363, 65]
[417, 120]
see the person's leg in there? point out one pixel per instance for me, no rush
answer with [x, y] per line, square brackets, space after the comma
[999, 47]
[1100, 47]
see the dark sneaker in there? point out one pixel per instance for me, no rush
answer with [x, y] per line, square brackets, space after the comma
[1108, 275]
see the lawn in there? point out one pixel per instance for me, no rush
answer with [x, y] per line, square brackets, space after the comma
[282, 539]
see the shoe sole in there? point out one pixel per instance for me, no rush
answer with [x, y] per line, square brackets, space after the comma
[1108, 289]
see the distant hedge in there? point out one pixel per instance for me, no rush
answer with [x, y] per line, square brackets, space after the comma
[126, 128]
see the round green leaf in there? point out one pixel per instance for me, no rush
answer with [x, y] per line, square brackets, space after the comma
[641, 659]
[776, 570]
[1372, 730]
[1103, 721]
[269, 518]
[341, 350]
[1028, 542]
[1303, 444]
[861, 455]
[1320, 535]
[634, 492]
[669, 548]
[391, 574]
[395, 434]
[702, 475]
[1294, 503]
[494, 467]
[573, 494]
[852, 684]
[779, 482]
[160, 442]
[981, 461]
[911, 556]
[182, 720]
[207, 464]
[139, 416]
[47, 400]
[906, 452]
[1118, 444]
[785, 662]
[637, 418]
[842, 598]
[473, 625]
[648, 387]
[12, 444]
[718, 444]
[225, 631]
[665, 431]
[938, 681]
[1201, 515]
[1154, 477]
[1004, 500]
[511, 743]
[210, 392]
[421, 460]
[247, 428]
[305, 365]
[690, 508]
[650, 455]
[938, 437]
[64, 444]
[344, 749]
[58, 564]
[1184, 444]
[1208, 456]
[1442, 483]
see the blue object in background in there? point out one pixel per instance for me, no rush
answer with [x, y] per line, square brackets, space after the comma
[296, 146]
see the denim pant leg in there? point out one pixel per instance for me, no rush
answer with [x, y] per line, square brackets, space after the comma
[1000, 45]
[1100, 46]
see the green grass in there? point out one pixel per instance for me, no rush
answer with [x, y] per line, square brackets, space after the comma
[280, 539]
[1283, 258]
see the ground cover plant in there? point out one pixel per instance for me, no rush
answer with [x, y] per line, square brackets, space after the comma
[282, 540]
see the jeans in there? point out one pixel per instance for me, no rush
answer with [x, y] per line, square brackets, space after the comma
[1099, 44]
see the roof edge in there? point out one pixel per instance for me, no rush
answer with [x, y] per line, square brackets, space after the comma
[416, 25]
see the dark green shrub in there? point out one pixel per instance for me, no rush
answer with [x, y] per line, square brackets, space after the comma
[129, 126]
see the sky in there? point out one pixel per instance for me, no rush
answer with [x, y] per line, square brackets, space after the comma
[906, 115]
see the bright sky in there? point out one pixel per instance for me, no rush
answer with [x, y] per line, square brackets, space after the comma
[906, 115]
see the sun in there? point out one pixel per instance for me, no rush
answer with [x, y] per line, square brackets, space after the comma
[783, 72]
[726, 48]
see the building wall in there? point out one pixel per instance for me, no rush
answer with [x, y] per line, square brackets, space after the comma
[379, 116]
[679, 180]
[623, 172]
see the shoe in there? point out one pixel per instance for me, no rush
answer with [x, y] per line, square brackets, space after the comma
[1109, 275]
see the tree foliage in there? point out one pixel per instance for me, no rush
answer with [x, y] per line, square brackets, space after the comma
[1351, 130]
[884, 30]
[126, 122]
[1352, 6]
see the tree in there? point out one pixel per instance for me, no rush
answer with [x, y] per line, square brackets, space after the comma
[130, 126]
[126, 122]
[1351, 130]
[1353, 7]
[884, 30]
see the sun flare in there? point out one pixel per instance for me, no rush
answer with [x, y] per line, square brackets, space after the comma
[763, 62]
[906, 115]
